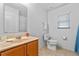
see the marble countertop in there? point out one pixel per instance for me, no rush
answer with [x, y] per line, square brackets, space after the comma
[4, 45]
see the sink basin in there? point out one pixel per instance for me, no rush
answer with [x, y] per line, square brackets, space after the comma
[23, 37]
[11, 40]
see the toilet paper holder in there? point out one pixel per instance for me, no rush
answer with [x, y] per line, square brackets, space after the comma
[64, 38]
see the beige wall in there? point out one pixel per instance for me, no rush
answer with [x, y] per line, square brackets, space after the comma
[69, 33]
[36, 16]
[1, 18]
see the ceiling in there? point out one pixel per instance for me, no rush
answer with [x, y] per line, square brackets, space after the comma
[47, 6]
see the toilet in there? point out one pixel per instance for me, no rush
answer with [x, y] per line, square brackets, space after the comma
[51, 44]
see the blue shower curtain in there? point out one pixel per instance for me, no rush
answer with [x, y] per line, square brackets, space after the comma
[77, 41]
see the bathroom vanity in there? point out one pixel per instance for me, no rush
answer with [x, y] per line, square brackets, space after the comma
[21, 47]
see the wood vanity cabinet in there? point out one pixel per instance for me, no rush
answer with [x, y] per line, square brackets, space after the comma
[28, 49]
[16, 51]
[32, 48]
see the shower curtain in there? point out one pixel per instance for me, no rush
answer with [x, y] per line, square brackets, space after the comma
[77, 41]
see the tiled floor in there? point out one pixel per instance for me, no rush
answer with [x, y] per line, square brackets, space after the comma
[58, 52]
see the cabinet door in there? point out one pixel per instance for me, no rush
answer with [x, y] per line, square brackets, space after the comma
[32, 48]
[17, 51]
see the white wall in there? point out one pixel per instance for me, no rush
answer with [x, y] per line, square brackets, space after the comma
[69, 33]
[36, 16]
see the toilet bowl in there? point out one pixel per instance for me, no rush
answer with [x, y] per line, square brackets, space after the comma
[51, 44]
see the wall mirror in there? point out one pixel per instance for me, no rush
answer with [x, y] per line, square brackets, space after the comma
[15, 18]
